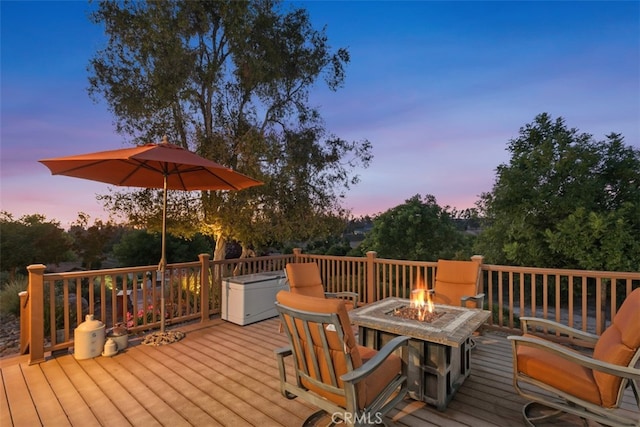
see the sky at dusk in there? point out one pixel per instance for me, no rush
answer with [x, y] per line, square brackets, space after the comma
[438, 88]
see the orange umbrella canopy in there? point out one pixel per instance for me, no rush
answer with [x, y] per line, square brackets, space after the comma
[147, 166]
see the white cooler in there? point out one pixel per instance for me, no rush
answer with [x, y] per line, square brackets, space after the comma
[248, 299]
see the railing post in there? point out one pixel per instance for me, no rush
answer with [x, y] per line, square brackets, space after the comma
[36, 313]
[371, 277]
[204, 287]
[479, 259]
[296, 254]
[25, 334]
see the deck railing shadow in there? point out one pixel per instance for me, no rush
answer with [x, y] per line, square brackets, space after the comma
[56, 303]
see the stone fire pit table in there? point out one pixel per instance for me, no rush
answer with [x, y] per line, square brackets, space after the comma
[439, 353]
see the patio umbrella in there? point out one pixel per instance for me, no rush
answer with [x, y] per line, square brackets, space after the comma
[162, 165]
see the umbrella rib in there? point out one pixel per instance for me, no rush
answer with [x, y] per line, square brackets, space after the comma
[139, 164]
[178, 173]
[77, 168]
[222, 179]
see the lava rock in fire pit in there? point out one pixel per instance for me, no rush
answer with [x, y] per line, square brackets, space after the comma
[413, 313]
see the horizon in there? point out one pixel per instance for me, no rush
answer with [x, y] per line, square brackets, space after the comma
[438, 88]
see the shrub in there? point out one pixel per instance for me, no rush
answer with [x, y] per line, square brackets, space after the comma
[495, 312]
[5, 278]
[9, 296]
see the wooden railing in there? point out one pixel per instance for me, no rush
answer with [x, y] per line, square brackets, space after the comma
[51, 308]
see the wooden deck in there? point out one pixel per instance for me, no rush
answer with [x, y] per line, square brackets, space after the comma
[222, 374]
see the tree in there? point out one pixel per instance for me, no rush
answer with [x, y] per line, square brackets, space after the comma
[598, 241]
[564, 201]
[92, 243]
[31, 240]
[139, 247]
[230, 81]
[418, 230]
[332, 245]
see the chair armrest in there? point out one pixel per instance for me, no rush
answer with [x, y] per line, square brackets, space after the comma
[530, 323]
[367, 368]
[479, 299]
[586, 361]
[353, 296]
[283, 351]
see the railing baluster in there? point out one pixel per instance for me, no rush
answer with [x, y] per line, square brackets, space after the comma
[512, 289]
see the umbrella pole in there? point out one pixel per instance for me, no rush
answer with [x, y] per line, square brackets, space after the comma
[163, 259]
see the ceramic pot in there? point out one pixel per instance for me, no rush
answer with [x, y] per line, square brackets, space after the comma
[88, 338]
[110, 348]
[120, 335]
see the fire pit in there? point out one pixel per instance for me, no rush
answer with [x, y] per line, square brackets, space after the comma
[439, 352]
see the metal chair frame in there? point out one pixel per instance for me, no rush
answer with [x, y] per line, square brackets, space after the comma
[564, 402]
[390, 396]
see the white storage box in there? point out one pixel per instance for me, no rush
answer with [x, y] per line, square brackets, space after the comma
[251, 298]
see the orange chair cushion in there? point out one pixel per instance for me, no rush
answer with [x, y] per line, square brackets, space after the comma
[304, 279]
[454, 280]
[557, 372]
[380, 378]
[618, 344]
[368, 389]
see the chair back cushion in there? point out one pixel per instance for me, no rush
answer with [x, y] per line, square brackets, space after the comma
[304, 279]
[454, 280]
[340, 351]
[618, 344]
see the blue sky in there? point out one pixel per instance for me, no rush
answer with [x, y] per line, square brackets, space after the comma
[439, 88]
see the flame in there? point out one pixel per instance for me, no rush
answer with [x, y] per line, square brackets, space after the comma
[417, 298]
[421, 301]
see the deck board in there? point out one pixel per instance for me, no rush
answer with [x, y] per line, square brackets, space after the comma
[67, 396]
[45, 399]
[172, 388]
[19, 396]
[222, 374]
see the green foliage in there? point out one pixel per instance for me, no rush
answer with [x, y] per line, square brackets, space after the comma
[418, 230]
[564, 200]
[9, 296]
[138, 247]
[31, 240]
[93, 243]
[607, 241]
[4, 278]
[333, 245]
[229, 80]
[496, 311]
[71, 313]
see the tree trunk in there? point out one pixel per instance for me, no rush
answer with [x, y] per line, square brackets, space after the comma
[221, 248]
[246, 253]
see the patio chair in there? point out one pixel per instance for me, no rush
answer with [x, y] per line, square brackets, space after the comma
[304, 279]
[589, 384]
[328, 364]
[457, 283]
